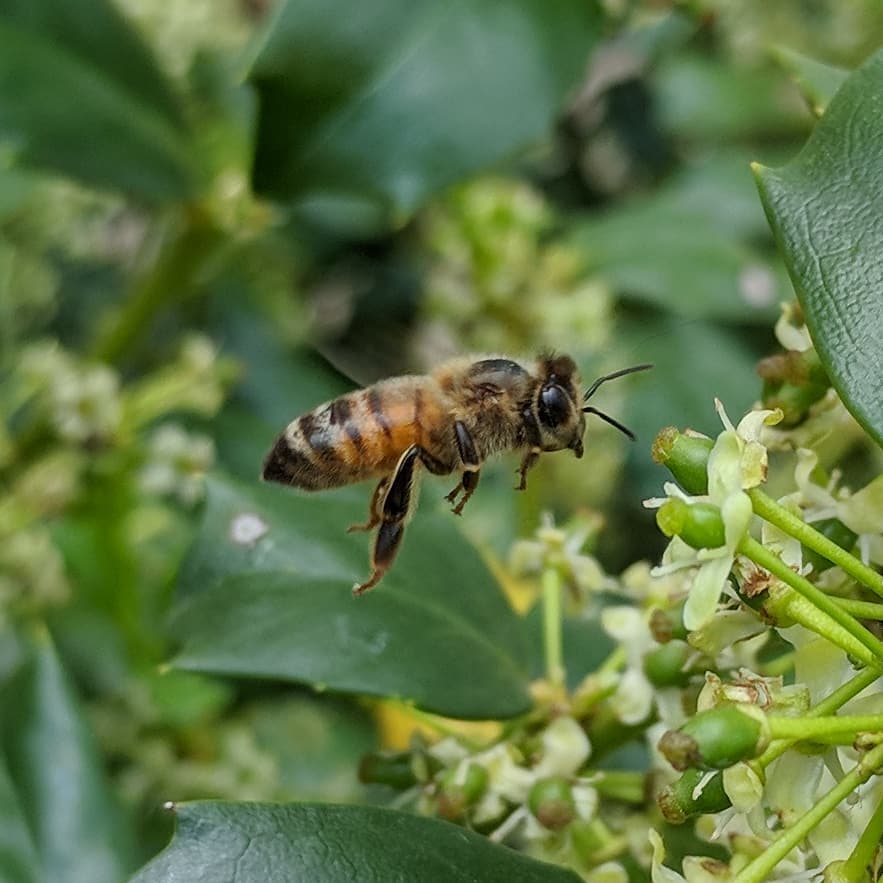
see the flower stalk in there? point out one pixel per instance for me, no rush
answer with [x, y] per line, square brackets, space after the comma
[760, 868]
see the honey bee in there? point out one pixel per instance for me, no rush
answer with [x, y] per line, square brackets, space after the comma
[451, 420]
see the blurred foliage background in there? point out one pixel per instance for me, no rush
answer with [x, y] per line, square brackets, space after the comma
[205, 231]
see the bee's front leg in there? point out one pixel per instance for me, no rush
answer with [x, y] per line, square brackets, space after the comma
[530, 459]
[394, 509]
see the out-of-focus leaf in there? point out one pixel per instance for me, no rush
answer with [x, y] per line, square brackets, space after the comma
[686, 247]
[381, 104]
[18, 858]
[317, 744]
[676, 392]
[80, 94]
[314, 843]
[54, 764]
[824, 208]
[705, 99]
[817, 81]
[266, 593]
[584, 643]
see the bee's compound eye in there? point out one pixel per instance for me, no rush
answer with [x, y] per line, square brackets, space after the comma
[555, 406]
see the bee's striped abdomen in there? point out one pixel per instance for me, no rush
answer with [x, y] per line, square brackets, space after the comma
[356, 436]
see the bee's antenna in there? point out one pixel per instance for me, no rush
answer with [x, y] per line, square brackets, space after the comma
[594, 387]
[621, 373]
[606, 417]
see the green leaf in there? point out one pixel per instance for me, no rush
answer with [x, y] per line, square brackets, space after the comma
[437, 631]
[675, 392]
[18, 858]
[705, 99]
[817, 81]
[81, 95]
[314, 843]
[381, 104]
[55, 768]
[688, 247]
[824, 208]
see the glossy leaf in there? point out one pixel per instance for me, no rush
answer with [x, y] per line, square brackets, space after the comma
[824, 208]
[78, 835]
[378, 105]
[817, 81]
[80, 94]
[276, 603]
[314, 843]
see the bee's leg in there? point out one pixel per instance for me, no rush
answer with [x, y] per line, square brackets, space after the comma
[530, 458]
[394, 509]
[471, 467]
[373, 509]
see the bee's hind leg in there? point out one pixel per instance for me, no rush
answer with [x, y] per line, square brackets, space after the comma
[394, 509]
[374, 516]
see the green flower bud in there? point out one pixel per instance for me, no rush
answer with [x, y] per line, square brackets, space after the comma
[665, 666]
[792, 382]
[459, 789]
[668, 625]
[681, 801]
[699, 525]
[716, 739]
[685, 456]
[551, 802]
[393, 769]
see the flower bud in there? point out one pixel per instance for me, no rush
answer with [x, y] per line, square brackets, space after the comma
[665, 666]
[393, 769]
[685, 456]
[684, 798]
[699, 525]
[459, 789]
[716, 739]
[551, 802]
[668, 625]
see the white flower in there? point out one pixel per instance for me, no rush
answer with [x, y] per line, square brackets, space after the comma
[177, 462]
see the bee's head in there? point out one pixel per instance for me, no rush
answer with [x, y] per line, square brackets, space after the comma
[559, 405]
[560, 409]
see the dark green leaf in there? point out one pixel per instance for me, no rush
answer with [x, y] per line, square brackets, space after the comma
[437, 631]
[686, 247]
[80, 94]
[384, 103]
[18, 858]
[54, 764]
[817, 81]
[313, 843]
[824, 208]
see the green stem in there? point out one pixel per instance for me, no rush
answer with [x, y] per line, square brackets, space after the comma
[174, 275]
[864, 609]
[856, 866]
[828, 705]
[760, 868]
[802, 728]
[766, 559]
[552, 641]
[769, 509]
